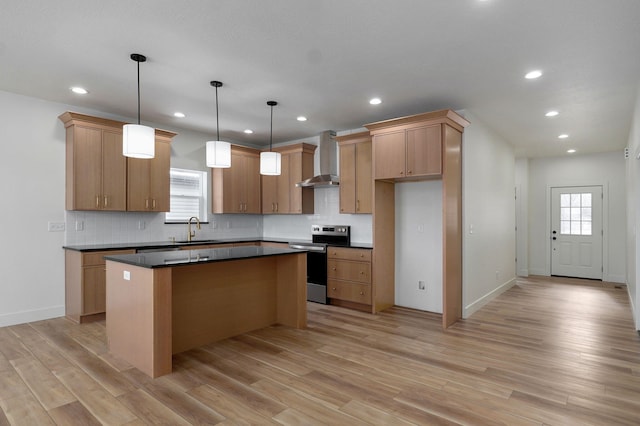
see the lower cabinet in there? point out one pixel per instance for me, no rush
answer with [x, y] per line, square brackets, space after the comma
[349, 277]
[85, 284]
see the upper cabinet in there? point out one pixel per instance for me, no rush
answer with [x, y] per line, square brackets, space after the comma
[279, 193]
[355, 173]
[237, 189]
[96, 170]
[99, 177]
[148, 181]
[409, 153]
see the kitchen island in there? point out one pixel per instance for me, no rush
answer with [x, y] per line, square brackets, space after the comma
[163, 303]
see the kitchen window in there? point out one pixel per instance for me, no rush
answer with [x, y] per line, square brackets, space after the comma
[188, 189]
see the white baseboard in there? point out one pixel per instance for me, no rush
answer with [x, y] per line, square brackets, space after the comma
[472, 308]
[616, 279]
[636, 317]
[30, 316]
[540, 272]
[523, 273]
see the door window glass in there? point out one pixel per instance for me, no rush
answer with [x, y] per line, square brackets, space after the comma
[575, 214]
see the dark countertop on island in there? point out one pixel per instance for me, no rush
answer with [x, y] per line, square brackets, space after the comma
[169, 245]
[164, 259]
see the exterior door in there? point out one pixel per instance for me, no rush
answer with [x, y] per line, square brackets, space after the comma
[576, 231]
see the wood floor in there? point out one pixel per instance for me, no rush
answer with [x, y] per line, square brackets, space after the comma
[548, 351]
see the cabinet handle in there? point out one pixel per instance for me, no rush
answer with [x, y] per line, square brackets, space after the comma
[401, 173]
[154, 203]
[361, 272]
[276, 207]
[361, 254]
[361, 293]
[357, 205]
[333, 288]
[273, 207]
[334, 269]
[409, 172]
[146, 203]
[97, 201]
[106, 201]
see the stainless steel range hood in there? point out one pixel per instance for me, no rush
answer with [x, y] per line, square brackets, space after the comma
[327, 151]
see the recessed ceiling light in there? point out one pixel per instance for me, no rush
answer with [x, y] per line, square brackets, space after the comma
[552, 113]
[179, 114]
[375, 101]
[563, 136]
[248, 131]
[79, 90]
[301, 118]
[533, 74]
[571, 151]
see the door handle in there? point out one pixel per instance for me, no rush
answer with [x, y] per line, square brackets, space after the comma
[554, 238]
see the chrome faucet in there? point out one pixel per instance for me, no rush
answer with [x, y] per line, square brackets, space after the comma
[190, 233]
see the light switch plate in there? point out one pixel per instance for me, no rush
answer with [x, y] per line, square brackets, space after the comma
[126, 275]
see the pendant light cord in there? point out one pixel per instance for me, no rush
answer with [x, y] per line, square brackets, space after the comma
[271, 131]
[138, 92]
[271, 104]
[217, 122]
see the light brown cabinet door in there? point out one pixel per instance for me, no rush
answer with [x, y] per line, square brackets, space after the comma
[283, 201]
[87, 169]
[364, 180]
[390, 155]
[93, 290]
[252, 185]
[348, 178]
[114, 172]
[159, 177]
[148, 181]
[424, 151]
[269, 194]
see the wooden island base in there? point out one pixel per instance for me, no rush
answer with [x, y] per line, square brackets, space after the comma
[162, 311]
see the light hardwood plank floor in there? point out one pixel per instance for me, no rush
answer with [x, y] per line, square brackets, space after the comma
[549, 351]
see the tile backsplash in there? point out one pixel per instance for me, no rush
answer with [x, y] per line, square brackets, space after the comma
[84, 227]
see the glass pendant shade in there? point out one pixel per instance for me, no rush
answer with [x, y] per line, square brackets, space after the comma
[270, 163]
[218, 154]
[138, 141]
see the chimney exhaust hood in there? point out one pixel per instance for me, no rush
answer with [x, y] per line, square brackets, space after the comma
[327, 152]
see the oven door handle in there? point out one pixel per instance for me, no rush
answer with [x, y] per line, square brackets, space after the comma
[308, 248]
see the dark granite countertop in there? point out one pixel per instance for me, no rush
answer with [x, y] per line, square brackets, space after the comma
[170, 245]
[164, 259]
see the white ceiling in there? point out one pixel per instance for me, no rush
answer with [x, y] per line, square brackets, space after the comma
[325, 58]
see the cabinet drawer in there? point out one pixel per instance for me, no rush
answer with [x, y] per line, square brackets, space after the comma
[363, 255]
[353, 292]
[97, 257]
[350, 271]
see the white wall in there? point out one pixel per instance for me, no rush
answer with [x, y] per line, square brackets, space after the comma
[633, 213]
[489, 211]
[419, 245]
[607, 170]
[32, 175]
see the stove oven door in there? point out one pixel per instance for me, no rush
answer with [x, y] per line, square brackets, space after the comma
[317, 276]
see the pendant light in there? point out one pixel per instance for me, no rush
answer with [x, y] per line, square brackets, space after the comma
[138, 141]
[218, 152]
[270, 162]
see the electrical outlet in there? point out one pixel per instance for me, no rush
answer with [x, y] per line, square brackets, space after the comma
[55, 226]
[126, 275]
[141, 225]
[79, 225]
[214, 224]
[422, 285]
